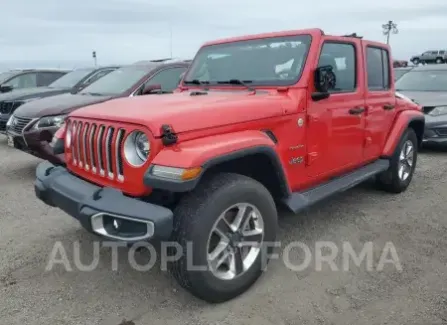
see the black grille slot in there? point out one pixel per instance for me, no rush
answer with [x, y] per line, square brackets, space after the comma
[119, 156]
[91, 143]
[109, 148]
[100, 146]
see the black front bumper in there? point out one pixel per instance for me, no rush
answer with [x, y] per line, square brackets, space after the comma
[57, 187]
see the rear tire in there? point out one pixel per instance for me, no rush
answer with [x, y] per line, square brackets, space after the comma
[402, 164]
[439, 61]
[198, 222]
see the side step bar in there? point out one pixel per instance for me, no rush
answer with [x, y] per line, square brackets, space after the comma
[299, 201]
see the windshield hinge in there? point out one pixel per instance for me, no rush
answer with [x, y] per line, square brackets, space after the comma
[168, 136]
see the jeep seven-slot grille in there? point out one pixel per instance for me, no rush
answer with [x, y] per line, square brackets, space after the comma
[97, 148]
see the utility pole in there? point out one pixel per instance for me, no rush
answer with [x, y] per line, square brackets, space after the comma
[94, 58]
[388, 28]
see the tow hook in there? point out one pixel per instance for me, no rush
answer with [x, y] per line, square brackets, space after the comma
[168, 136]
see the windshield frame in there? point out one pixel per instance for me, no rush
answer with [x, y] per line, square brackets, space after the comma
[90, 71]
[147, 72]
[414, 72]
[268, 83]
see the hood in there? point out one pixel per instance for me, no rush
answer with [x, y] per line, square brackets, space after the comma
[59, 104]
[185, 112]
[28, 93]
[427, 98]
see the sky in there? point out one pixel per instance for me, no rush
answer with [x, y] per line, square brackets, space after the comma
[62, 33]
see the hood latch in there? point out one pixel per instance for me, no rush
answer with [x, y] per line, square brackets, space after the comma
[168, 136]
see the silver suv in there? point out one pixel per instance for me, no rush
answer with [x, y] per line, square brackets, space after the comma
[439, 56]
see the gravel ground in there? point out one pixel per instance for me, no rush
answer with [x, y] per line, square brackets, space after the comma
[414, 222]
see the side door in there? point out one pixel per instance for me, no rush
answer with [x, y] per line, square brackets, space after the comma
[335, 132]
[168, 78]
[380, 99]
[425, 56]
[24, 80]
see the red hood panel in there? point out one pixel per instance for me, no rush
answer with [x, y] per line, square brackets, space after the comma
[185, 112]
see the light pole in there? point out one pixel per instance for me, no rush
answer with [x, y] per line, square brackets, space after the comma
[94, 58]
[388, 28]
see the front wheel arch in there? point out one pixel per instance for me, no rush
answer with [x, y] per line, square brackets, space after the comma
[261, 163]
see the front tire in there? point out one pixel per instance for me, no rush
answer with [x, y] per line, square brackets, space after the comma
[439, 61]
[402, 164]
[223, 227]
[416, 61]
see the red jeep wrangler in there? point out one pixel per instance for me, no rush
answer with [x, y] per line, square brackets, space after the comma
[280, 118]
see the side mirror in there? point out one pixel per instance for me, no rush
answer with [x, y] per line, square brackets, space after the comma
[151, 89]
[324, 82]
[5, 89]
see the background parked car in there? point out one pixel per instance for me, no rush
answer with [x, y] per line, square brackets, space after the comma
[427, 85]
[436, 56]
[71, 82]
[400, 63]
[399, 72]
[20, 79]
[33, 124]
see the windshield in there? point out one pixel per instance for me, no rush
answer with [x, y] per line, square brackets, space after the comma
[70, 79]
[268, 61]
[6, 75]
[423, 81]
[118, 81]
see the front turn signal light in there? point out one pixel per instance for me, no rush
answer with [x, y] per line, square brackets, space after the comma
[175, 173]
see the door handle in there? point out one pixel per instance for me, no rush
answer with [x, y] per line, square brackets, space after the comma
[356, 110]
[388, 107]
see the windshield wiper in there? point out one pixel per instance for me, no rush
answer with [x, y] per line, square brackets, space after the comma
[196, 82]
[91, 94]
[238, 82]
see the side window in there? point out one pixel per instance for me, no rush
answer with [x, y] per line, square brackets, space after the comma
[26, 80]
[168, 79]
[441, 52]
[434, 52]
[45, 78]
[341, 56]
[378, 68]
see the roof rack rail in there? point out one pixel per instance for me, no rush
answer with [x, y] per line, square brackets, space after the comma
[353, 35]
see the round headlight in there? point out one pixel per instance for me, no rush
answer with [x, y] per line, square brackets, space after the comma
[142, 146]
[137, 148]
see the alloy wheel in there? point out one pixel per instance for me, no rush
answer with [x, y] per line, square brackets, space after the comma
[235, 241]
[406, 160]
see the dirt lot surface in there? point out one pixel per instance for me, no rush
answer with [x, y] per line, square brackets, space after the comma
[414, 222]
